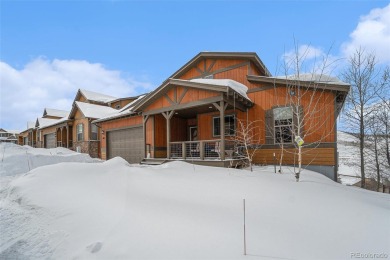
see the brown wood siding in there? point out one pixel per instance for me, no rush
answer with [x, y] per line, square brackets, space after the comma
[197, 94]
[178, 129]
[110, 125]
[121, 103]
[149, 134]
[322, 118]
[218, 64]
[160, 136]
[317, 156]
[253, 70]
[190, 96]
[238, 74]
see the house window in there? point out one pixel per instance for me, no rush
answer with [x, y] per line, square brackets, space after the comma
[80, 132]
[283, 122]
[94, 132]
[118, 106]
[230, 125]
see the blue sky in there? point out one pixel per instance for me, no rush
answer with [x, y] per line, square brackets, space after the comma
[136, 45]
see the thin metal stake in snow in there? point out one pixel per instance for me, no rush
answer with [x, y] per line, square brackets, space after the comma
[244, 231]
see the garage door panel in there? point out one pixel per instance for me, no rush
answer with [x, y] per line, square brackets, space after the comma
[49, 140]
[126, 143]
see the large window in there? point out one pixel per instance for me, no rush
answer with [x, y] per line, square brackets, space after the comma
[94, 132]
[283, 121]
[230, 125]
[80, 132]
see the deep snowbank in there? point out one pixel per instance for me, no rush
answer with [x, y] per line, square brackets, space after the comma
[114, 210]
[15, 159]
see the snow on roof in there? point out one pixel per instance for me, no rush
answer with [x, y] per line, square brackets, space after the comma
[55, 112]
[94, 96]
[30, 125]
[95, 111]
[44, 122]
[236, 86]
[57, 121]
[322, 78]
[132, 103]
[126, 110]
[14, 132]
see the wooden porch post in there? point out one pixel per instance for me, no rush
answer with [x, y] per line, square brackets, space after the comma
[168, 116]
[145, 119]
[222, 107]
[67, 136]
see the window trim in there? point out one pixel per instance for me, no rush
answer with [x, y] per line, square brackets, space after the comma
[82, 132]
[97, 132]
[235, 126]
[284, 125]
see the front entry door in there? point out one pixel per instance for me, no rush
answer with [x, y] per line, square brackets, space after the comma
[193, 133]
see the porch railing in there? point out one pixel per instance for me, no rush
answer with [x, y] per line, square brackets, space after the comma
[205, 149]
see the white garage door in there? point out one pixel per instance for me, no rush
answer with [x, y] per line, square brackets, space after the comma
[126, 143]
[50, 140]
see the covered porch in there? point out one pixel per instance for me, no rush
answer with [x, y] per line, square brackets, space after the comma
[200, 131]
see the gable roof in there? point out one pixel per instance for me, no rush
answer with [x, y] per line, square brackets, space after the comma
[94, 96]
[55, 112]
[305, 80]
[125, 111]
[252, 56]
[92, 110]
[220, 85]
[42, 122]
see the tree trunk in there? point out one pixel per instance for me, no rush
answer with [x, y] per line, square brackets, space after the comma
[387, 143]
[377, 162]
[361, 137]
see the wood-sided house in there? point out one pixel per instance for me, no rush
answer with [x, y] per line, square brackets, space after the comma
[28, 136]
[52, 129]
[9, 136]
[193, 115]
[89, 106]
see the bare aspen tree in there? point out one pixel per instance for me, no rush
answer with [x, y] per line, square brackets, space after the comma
[247, 140]
[361, 73]
[300, 113]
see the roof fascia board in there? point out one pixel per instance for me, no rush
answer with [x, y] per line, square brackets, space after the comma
[309, 84]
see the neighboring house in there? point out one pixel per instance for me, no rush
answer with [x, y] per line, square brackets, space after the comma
[193, 115]
[9, 136]
[47, 128]
[28, 136]
[86, 137]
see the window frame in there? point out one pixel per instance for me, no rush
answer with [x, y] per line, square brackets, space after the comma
[283, 125]
[92, 132]
[78, 133]
[226, 132]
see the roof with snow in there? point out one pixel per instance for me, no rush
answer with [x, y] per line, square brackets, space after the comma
[94, 111]
[97, 97]
[220, 85]
[44, 122]
[320, 78]
[125, 111]
[55, 113]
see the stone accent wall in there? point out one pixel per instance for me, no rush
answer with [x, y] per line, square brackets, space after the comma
[89, 147]
[94, 149]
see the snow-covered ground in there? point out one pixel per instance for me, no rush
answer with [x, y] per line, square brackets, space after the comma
[349, 158]
[114, 210]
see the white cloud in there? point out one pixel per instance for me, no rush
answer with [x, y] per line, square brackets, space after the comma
[373, 34]
[53, 84]
[311, 60]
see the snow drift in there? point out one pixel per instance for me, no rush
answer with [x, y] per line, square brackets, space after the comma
[114, 210]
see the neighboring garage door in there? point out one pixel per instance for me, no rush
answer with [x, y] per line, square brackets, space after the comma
[126, 143]
[50, 140]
